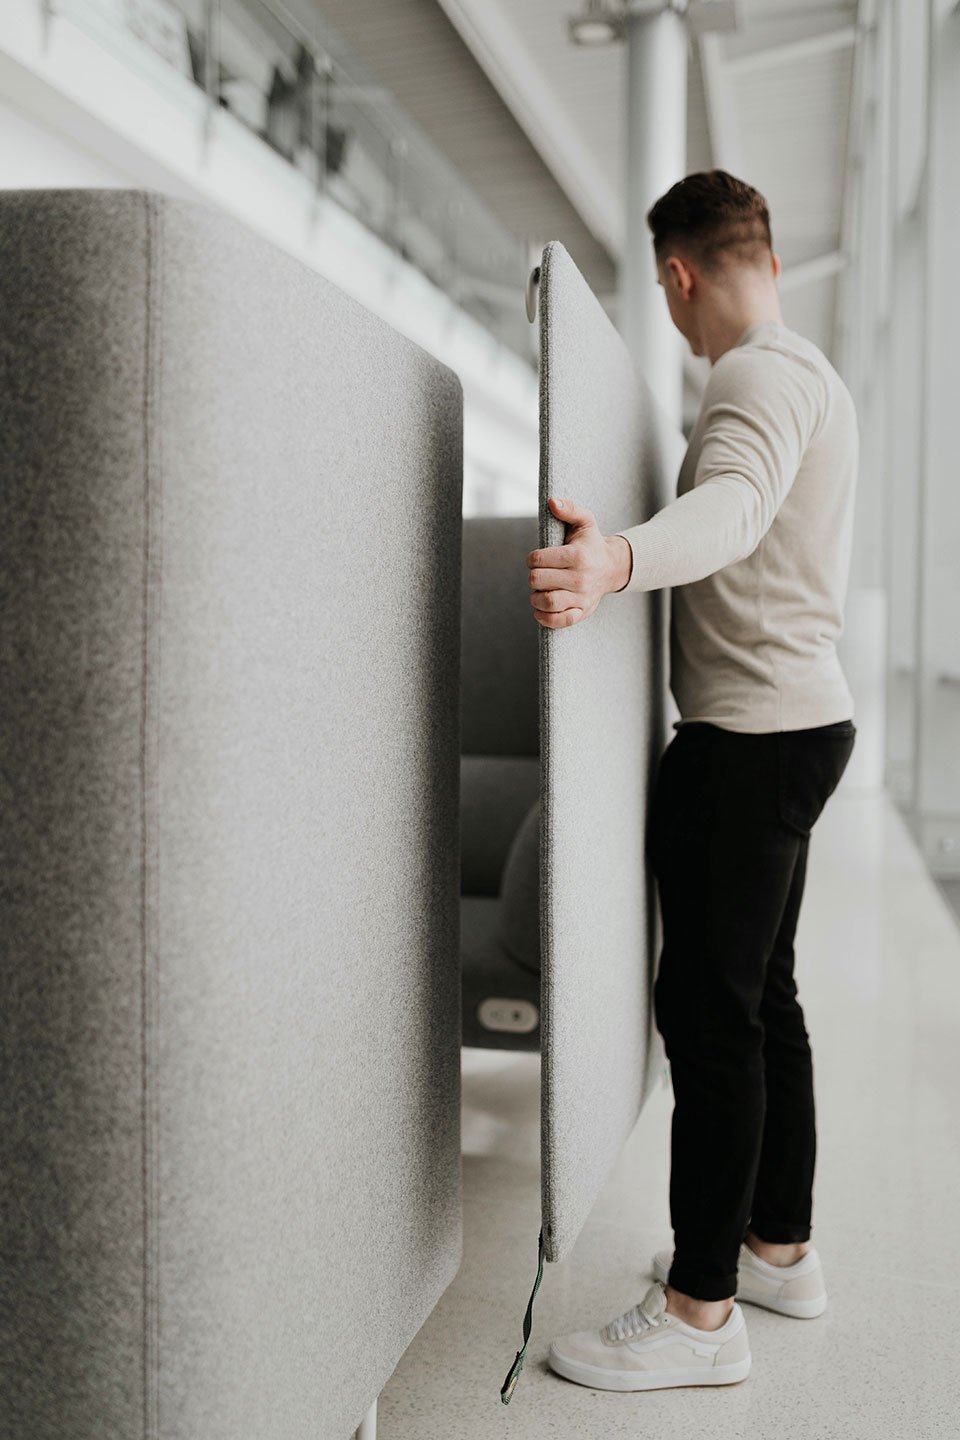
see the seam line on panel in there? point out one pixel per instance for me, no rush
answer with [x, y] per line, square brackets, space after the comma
[149, 780]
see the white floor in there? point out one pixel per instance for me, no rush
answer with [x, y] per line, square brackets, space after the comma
[878, 973]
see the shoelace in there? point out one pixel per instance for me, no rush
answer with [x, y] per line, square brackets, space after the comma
[631, 1323]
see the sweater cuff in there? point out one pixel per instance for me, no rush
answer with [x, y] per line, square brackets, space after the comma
[652, 550]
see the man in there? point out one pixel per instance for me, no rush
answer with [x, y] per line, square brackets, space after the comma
[756, 548]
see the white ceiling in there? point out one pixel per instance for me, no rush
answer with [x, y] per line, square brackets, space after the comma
[414, 50]
[789, 112]
[535, 123]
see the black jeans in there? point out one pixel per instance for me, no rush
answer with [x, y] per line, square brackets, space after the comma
[728, 837]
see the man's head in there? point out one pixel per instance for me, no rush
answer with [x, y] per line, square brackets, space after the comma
[714, 251]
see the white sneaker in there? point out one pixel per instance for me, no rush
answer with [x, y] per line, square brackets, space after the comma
[647, 1348]
[796, 1290]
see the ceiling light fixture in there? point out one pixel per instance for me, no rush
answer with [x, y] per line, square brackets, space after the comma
[601, 24]
[604, 22]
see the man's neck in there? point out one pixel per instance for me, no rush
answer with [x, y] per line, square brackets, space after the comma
[721, 332]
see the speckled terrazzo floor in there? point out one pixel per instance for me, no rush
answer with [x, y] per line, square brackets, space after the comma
[879, 977]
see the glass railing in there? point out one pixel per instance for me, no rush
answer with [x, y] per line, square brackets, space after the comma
[298, 89]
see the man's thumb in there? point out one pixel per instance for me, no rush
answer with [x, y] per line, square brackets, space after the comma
[571, 513]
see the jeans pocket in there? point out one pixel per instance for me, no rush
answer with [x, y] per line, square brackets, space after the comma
[810, 765]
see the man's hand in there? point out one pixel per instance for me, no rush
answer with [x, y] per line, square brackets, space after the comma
[568, 581]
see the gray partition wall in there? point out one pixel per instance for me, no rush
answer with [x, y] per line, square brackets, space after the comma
[230, 547]
[605, 443]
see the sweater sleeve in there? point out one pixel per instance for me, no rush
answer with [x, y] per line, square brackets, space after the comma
[761, 409]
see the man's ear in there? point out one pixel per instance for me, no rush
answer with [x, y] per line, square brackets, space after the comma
[680, 275]
[776, 267]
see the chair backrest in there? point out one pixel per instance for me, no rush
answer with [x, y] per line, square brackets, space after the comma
[230, 535]
[500, 704]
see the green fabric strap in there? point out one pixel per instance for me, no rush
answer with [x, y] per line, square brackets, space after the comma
[510, 1384]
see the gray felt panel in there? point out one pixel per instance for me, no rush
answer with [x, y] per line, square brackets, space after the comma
[606, 443]
[230, 556]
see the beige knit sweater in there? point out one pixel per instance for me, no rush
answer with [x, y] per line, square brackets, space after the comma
[757, 544]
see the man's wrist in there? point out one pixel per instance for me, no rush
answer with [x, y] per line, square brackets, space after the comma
[621, 562]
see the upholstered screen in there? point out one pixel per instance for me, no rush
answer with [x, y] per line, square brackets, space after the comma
[230, 535]
[605, 443]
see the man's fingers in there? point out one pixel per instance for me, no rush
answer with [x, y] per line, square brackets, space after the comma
[555, 574]
[555, 600]
[555, 580]
[553, 569]
[562, 620]
[554, 557]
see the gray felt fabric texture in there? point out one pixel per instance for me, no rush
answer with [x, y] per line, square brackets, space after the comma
[606, 443]
[230, 551]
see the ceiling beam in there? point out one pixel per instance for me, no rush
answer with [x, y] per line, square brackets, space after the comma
[821, 267]
[793, 51]
[485, 28]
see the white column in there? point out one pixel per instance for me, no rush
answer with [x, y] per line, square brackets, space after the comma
[655, 149]
[368, 1425]
[938, 639]
[903, 451]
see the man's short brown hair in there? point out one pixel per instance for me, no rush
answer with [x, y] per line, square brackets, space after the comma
[714, 218]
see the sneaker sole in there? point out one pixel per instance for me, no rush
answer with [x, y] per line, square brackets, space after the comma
[601, 1379]
[796, 1309]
